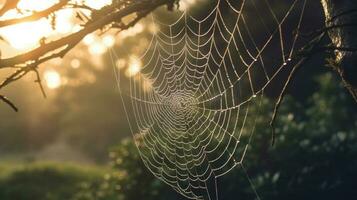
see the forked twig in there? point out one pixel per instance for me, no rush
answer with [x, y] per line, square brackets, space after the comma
[281, 97]
[304, 54]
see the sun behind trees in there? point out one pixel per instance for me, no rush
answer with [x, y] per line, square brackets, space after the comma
[193, 89]
[90, 16]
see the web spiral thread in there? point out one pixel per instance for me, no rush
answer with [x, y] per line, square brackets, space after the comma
[204, 75]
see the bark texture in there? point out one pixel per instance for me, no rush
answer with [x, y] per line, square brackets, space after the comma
[341, 23]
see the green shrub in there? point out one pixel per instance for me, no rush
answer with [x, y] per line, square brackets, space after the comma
[45, 181]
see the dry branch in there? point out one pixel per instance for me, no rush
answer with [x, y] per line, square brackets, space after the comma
[107, 17]
[35, 16]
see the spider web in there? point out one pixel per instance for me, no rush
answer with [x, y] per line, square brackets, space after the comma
[202, 74]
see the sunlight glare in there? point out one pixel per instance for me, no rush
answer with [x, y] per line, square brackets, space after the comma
[75, 63]
[53, 79]
[185, 4]
[34, 5]
[97, 4]
[89, 39]
[147, 85]
[64, 21]
[153, 28]
[120, 63]
[34, 32]
[97, 48]
[108, 41]
[134, 67]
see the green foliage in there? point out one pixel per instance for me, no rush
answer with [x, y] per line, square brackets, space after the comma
[129, 180]
[314, 156]
[315, 150]
[44, 181]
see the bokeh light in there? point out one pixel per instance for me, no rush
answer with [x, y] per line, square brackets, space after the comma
[120, 63]
[109, 41]
[75, 63]
[134, 67]
[53, 79]
[185, 4]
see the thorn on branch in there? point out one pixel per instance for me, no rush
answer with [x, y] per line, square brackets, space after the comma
[43, 41]
[8, 102]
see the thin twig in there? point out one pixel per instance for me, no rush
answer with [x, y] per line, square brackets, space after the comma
[76, 37]
[35, 16]
[9, 102]
[347, 12]
[334, 48]
[29, 61]
[305, 54]
[39, 81]
[327, 28]
[281, 97]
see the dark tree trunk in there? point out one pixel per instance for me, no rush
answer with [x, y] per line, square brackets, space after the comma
[342, 14]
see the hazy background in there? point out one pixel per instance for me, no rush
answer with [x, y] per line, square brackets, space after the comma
[82, 118]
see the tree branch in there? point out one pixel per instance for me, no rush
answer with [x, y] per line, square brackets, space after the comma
[35, 16]
[78, 36]
[8, 102]
[29, 61]
[9, 5]
[304, 54]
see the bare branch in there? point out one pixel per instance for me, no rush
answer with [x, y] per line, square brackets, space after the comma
[39, 81]
[9, 5]
[304, 55]
[147, 5]
[29, 61]
[35, 16]
[281, 97]
[8, 102]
